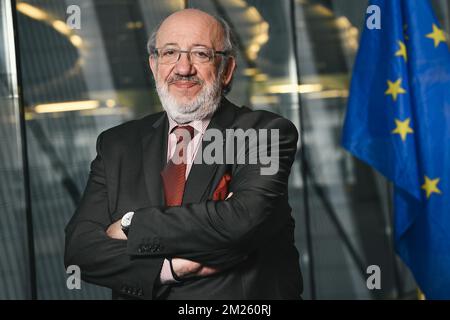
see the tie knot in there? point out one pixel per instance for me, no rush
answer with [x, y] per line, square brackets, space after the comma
[182, 132]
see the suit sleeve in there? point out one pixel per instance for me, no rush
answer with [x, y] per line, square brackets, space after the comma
[102, 260]
[224, 232]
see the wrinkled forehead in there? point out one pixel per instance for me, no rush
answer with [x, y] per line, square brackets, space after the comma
[189, 29]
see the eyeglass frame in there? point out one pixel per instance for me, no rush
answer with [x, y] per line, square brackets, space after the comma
[188, 52]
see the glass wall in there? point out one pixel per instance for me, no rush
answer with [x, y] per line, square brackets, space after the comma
[14, 255]
[84, 68]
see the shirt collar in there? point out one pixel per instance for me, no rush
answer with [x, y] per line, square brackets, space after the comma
[198, 125]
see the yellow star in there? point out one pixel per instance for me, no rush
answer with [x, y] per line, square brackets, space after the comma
[402, 51]
[437, 35]
[395, 88]
[402, 128]
[430, 186]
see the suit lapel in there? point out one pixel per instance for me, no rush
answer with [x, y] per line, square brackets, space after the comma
[154, 156]
[201, 175]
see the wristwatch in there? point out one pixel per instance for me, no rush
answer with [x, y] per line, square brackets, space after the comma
[125, 223]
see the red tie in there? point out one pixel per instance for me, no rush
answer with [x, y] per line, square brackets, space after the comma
[174, 173]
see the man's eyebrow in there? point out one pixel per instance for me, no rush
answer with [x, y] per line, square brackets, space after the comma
[193, 45]
[170, 44]
[200, 45]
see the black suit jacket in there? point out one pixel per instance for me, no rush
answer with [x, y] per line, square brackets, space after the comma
[250, 236]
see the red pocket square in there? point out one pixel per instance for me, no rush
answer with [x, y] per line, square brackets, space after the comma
[221, 191]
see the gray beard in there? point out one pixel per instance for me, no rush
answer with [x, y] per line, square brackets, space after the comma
[201, 107]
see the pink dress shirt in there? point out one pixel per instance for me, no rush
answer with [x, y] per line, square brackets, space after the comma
[200, 126]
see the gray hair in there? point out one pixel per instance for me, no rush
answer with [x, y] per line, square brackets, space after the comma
[229, 45]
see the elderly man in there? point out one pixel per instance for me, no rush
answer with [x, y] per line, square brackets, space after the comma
[153, 222]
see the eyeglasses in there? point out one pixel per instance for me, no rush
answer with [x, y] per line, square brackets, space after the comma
[171, 55]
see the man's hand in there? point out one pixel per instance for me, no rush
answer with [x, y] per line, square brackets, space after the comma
[114, 231]
[184, 268]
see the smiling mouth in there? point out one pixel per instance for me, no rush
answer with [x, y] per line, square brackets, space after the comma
[185, 84]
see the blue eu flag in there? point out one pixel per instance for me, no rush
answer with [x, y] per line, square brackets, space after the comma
[398, 121]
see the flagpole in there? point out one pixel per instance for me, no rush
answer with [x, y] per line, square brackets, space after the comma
[447, 19]
[397, 278]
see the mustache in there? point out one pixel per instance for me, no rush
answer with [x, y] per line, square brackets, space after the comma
[184, 78]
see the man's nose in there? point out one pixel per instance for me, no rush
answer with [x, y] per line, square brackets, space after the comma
[184, 66]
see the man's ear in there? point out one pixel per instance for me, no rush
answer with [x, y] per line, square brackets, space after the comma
[152, 63]
[228, 74]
